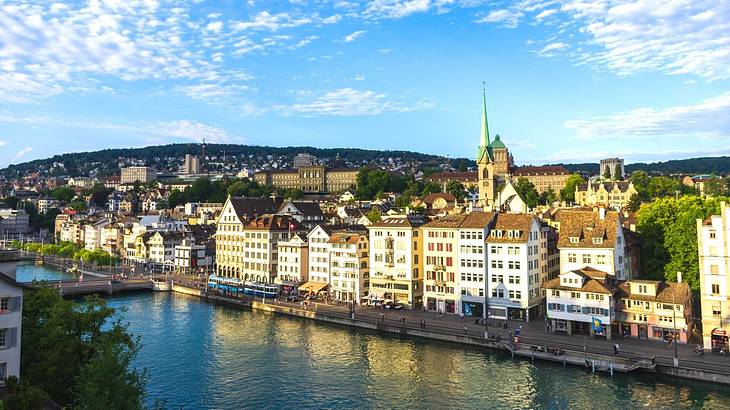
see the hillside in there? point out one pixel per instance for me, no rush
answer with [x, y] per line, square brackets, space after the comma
[168, 158]
[692, 166]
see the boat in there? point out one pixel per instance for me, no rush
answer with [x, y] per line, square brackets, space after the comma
[73, 269]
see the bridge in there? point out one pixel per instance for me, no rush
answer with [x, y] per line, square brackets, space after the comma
[98, 285]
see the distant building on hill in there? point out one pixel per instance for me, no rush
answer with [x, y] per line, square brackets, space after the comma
[311, 179]
[608, 166]
[544, 178]
[141, 174]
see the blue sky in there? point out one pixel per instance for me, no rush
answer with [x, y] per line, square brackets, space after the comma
[571, 80]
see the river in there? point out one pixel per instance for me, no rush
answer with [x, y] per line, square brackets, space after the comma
[206, 356]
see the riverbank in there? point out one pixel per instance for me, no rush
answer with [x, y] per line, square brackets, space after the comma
[596, 355]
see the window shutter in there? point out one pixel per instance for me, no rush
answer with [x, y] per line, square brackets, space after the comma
[12, 336]
[15, 303]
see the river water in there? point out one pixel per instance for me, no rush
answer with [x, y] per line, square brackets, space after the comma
[206, 356]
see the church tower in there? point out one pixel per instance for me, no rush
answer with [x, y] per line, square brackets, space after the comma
[485, 162]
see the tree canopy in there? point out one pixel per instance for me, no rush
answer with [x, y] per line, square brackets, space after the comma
[568, 192]
[527, 192]
[78, 353]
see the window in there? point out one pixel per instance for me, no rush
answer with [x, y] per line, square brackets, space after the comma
[586, 258]
[714, 269]
[4, 304]
[713, 234]
[715, 288]
[716, 312]
[4, 338]
[572, 258]
[574, 239]
[555, 293]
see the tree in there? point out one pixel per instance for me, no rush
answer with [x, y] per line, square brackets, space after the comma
[430, 188]
[456, 189]
[634, 203]
[527, 192]
[77, 205]
[663, 186]
[293, 194]
[548, 197]
[370, 182]
[668, 230]
[373, 215]
[567, 194]
[64, 194]
[79, 353]
[175, 198]
[715, 187]
[617, 173]
[99, 195]
[607, 173]
[641, 180]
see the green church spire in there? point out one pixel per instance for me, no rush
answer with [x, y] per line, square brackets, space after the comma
[484, 142]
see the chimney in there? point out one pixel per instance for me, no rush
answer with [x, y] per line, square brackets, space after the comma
[679, 277]
[602, 213]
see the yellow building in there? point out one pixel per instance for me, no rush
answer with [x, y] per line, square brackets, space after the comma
[314, 179]
[609, 194]
[713, 246]
[396, 265]
[543, 178]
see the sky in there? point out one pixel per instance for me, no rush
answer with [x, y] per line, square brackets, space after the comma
[566, 80]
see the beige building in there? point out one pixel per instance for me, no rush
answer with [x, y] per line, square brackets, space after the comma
[247, 249]
[468, 179]
[192, 164]
[141, 174]
[293, 266]
[349, 273]
[608, 194]
[655, 310]
[713, 244]
[396, 265]
[310, 179]
[544, 178]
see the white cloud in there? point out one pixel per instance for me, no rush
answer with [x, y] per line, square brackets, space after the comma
[20, 154]
[214, 26]
[552, 49]
[508, 18]
[709, 119]
[349, 102]
[191, 130]
[272, 22]
[3, 143]
[394, 9]
[633, 36]
[211, 91]
[353, 36]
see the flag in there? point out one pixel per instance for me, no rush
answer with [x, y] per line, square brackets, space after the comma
[597, 325]
[467, 309]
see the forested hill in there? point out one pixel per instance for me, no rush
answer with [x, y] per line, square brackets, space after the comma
[693, 166]
[169, 157]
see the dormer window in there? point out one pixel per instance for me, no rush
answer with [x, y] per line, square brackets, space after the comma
[598, 241]
[574, 239]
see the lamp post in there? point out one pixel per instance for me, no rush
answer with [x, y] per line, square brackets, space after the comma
[674, 333]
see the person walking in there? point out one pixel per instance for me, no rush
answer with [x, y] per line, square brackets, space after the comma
[616, 349]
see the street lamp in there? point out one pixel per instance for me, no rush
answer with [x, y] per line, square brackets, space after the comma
[674, 333]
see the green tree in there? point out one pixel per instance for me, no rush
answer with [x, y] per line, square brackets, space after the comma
[527, 192]
[79, 353]
[373, 215]
[567, 194]
[99, 195]
[293, 194]
[175, 198]
[715, 187]
[607, 172]
[63, 193]
[370, 182]
[617, 173]
[641, 180]
[77, 205]
[430, 188]
[23, 395]
[663, 186]
[634, 203]
[668, 231]
[456, 189]
[548, 197]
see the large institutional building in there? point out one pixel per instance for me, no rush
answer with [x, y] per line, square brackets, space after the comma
[131, 175]
[311, 179]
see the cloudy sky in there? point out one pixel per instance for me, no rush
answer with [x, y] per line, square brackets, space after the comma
[571, 80]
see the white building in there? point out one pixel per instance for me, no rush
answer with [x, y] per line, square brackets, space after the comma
[11, 314]
[161, 247]
[14, 221]
[594, 239]
[581, 301]
[713, 243]
[319, 255]
[293, 267]
[514, 245]
[472, 287]
[349, 274]
[45, 204]
[131, 175]
[190, 257]
[92, 233]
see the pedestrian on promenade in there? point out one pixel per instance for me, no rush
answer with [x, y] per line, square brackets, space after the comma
[465, 329]
[616, 349]
[423, 324]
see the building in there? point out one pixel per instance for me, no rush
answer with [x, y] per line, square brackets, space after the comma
[11, 315]
[349, 273]
[92, 232]
[161, 247]
[655, 310]
[440, 264]
[468, 179]
[144, 175]
[713, 244]
[396, 265]
[293, 266]
[544, 178]
[46, 204]
[192, 165]
[514, 247]
[14, 221]
[493, 162]
[581, 301]
[302, 160]
[473, 286]
[588, 238]
[311, 179]
[81, 182]
[308, 213]
[247, 249]
[319, 257]
[191, 257]
[610, 166]
[615, 195]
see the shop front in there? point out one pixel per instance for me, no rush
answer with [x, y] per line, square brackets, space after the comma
[472, 309]
[719, 339]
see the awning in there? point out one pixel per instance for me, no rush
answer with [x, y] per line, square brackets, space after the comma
[312, 286]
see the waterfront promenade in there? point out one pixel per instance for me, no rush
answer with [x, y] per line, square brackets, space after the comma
[634, 354]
